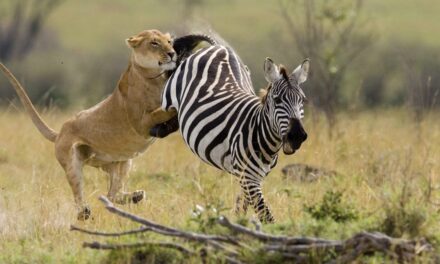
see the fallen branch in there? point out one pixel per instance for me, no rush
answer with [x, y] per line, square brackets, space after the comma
[97, 245]
[404, 251]
[237, 248]
[118, 234]
[164, 230]
[271, 238]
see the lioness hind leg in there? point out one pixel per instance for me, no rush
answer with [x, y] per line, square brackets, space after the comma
[118, 174]
[70, 159]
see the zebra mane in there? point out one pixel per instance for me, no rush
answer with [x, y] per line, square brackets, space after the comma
[221, 41]
[265, 91]
[185, 45]
[283, 72]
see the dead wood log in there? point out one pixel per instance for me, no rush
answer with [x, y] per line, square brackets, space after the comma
[243, 241]
[98, 245]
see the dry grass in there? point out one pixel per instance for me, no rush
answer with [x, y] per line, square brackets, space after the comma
[378, 155]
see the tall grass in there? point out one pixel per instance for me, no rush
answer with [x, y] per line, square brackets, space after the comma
[386, 172]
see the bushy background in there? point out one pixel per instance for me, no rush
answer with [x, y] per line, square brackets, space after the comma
[80, 52]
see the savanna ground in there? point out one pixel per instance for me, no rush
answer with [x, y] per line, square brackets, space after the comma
[387, 165]
[387, 169]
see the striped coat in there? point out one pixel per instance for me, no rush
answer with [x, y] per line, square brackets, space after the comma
[223, 121]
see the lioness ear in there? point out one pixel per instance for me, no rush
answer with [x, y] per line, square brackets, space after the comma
[133, 42]
[172, 37]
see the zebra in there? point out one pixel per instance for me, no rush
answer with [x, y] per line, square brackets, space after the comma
[228, 126]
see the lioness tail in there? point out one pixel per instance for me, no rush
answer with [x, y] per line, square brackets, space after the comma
[44, 129]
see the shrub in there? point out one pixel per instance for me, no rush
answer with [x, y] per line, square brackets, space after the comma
[332, 207]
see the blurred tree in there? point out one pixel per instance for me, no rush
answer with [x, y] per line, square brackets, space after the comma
[20, 23]
[423, 93]
[189, 15]
[189, 7]
[329, 33]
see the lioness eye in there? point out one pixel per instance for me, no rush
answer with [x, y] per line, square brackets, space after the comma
[154, 44]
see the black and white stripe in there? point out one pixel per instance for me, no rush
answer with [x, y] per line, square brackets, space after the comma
[225, 123]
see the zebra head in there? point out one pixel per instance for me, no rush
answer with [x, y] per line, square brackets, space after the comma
[284, 100]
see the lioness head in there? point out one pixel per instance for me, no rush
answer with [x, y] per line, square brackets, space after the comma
[153, 49]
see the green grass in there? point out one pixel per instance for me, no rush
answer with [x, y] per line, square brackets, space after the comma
[376, 155]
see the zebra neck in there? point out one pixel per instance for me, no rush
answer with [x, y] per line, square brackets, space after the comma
[268, 136]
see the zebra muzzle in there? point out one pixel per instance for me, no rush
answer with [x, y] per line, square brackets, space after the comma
[294, 137]
[288, 149]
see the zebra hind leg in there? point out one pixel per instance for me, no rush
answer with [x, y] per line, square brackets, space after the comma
[241, 204]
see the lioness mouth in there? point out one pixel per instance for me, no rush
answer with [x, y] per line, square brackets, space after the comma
[169, 65]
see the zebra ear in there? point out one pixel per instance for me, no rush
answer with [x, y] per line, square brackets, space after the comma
[302, 71]
[271, 71]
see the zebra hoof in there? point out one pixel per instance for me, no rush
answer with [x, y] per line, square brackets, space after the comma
[164, 129]
[138, 196]
[158, 131]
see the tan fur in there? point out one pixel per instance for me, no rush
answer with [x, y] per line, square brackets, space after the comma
[263, 94]
[111, 133]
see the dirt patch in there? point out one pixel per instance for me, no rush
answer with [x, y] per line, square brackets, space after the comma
[306, 173]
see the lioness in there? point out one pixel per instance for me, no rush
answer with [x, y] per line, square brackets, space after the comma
[114, 131]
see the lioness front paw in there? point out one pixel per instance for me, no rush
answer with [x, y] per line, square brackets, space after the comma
[84, 213]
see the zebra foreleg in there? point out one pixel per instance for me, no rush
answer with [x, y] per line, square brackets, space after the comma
[254, 196]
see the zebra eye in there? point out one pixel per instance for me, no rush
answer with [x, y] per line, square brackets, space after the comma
[277, 99]
[305, 100]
